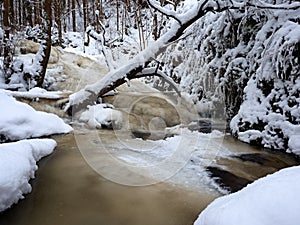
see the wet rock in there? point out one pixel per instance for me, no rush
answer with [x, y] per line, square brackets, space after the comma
[227, 180]
[111, 125]
[256, 158]
[261, 159]
[149, 117]
[147, 108]
[203, 126]
[144, 134]
[27, 46]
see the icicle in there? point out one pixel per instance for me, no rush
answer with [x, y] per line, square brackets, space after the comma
[127, 82]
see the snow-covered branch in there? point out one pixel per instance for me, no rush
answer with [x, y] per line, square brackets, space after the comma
[153, 71]
[163, 10]
[285, 6]
[101, 40]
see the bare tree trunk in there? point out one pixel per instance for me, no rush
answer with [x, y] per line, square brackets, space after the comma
[67, 18]
[20, 16]
[73, 15]
[46, 45]
[93, 3]
[11, 14]
[37, 9]
[58, 19]
[118, 14]
[84, 10]
[141, 27]
[155, 27]
[100, 10]
[7, 42]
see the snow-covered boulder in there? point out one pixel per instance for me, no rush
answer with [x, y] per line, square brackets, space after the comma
[102, 116]
[271, 200]
[20, 121]
[27, 47]
[17, 167]
[149, 107]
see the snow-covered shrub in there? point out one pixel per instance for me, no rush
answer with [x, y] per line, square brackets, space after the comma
[211, 63]
[270, 112]
[249, 59]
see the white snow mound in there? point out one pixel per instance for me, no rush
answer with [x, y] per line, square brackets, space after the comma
[101, 115]
[271, 200]
[17, 167]
[20, 121]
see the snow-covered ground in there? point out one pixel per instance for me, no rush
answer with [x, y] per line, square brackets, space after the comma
[17, 167]
[20, 121]
[270, 200]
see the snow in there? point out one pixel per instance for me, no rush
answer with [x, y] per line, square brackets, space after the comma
[294, 144]
[17, 167]
[249, 135]
[35, 93]
[270, 200]
[100, 115]
[179, 160]
[20, 121]
[257, 110]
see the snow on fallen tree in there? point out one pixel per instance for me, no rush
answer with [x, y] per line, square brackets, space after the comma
[191, 11]
[17, 167]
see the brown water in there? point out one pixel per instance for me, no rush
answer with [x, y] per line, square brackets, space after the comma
[68, 192]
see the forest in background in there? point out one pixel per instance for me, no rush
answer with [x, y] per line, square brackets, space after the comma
[244, 61]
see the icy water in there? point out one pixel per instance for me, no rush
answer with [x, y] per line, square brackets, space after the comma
[68, 192]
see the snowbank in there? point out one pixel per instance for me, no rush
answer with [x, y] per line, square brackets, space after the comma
[20, 121]
[35, 93]
[102, 115]
[270, 200]
[294, 144]
[17, 166]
